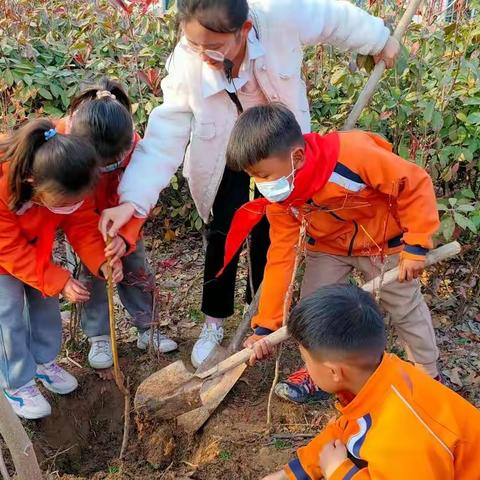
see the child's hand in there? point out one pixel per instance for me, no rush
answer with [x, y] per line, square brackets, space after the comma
[75, 291]
[280, 475]
[113, 219]
[116, 249]
[331, 457]
[390, 52]
[117, 271]
[410, 269]
[261, 347]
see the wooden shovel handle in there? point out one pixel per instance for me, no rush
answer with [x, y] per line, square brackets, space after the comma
[371, 85]
[434, 256]
[242, 356]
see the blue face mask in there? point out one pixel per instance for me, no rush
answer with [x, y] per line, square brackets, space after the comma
[277, 190]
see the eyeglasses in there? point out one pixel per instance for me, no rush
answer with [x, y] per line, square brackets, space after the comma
[212, 54]
[215, 55]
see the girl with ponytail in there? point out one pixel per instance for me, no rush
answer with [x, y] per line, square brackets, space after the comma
[45, 179]
[101, 113]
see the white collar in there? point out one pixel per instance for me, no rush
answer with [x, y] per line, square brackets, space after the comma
[214, 81]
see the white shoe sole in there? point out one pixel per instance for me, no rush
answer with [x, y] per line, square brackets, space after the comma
[33, 416]
[101, 365]
[59, 391]
[29, 415]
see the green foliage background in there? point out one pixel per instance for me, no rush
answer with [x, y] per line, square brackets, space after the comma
[428, 106]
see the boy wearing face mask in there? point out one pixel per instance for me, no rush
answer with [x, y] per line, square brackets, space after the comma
[364, 208]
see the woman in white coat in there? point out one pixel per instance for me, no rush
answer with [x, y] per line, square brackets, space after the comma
[232, 55]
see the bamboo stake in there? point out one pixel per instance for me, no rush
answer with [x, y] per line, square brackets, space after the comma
[113, 332]
[119, 379]
[286, 309]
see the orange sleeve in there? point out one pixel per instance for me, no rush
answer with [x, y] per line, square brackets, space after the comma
[307, 463]
[19, 258]
[466, 461]
[284, 231]
[408, 183]
[81, 229]
[131, 232]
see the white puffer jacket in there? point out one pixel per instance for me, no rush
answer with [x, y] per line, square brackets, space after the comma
[193, 126]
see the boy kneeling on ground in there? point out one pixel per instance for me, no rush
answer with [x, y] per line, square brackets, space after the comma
[396, 422]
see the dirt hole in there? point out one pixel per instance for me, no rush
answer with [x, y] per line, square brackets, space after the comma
[84, 433]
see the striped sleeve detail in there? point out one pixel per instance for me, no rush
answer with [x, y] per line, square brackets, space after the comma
[262, 331]
[351, 473]
[347, 179]
[298, 472]
[355, 442]
[415, 249]
[345, 471]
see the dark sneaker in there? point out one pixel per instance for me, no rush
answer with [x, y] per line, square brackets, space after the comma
[299, 388]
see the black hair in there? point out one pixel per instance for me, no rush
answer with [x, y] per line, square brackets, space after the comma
[102, 113]
[262, 132]
[341, 319]
[62, 164]
[221, 16]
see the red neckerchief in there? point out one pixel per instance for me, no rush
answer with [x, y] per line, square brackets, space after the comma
[321, 155]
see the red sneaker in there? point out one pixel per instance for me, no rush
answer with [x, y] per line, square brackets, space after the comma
[300, 388]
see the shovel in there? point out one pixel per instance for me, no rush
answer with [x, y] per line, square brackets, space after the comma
[174, 390]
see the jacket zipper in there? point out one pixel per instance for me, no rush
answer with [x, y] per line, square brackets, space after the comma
[355, 226]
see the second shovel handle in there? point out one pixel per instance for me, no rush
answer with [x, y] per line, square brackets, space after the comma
[434, 256]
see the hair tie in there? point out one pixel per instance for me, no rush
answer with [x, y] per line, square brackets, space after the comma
[105, 93]
[49, 134]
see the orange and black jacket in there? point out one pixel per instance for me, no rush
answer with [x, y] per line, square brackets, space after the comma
[402, 425]
[106, 192]
[374, 202]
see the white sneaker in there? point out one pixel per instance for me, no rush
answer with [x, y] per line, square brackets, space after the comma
[160, 342]
[100, 354]
[210, 337]
[28, 402]
[56, 379]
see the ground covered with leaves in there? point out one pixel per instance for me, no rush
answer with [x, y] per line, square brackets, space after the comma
[82, 438]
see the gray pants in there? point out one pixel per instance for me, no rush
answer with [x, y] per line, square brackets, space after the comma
[30, 331]
[135, 291]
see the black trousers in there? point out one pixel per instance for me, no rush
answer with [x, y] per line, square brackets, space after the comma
[219, 293]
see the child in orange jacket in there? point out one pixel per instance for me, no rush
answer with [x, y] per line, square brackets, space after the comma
[45, 179]
[395, 422]
[363, 207]
[102, 113]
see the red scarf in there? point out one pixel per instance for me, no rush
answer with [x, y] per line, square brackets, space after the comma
[321, 155]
